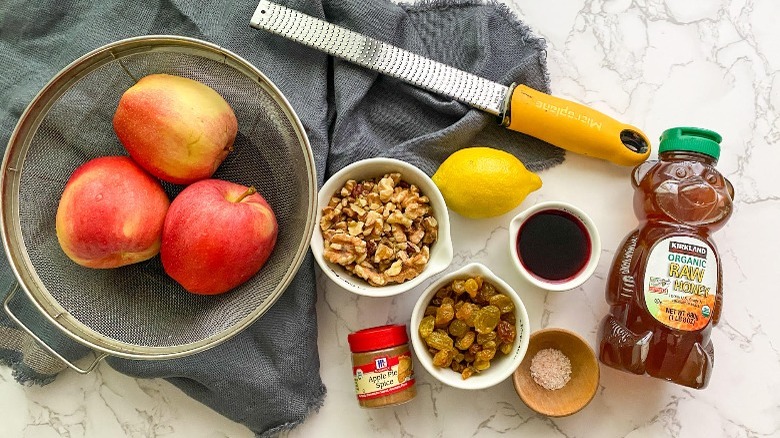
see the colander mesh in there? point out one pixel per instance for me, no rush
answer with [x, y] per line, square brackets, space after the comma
[139, 304]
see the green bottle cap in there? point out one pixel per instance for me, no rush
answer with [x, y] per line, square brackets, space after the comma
[691, 139]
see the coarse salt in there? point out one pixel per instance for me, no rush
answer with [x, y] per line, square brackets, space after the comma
[551, 369]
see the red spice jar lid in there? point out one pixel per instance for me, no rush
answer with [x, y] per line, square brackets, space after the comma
[377, 338]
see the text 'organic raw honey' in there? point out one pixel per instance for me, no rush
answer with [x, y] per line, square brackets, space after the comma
[665, 286]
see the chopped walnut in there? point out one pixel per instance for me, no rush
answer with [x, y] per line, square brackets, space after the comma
[358, 209]
[431, 230]
[367, 272]
[383, 253]
[399, 218]
[394, 269]
[380, 230]
[398, 233]
[349, 186]
[344, 249]
[416, 234]
[355, 228]
[386, 185]
[374, 225]
[421, 258]
[414, 210]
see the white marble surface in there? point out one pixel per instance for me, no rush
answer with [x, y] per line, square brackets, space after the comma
[653, 63]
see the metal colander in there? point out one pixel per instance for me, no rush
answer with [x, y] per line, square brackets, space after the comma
[137, 311]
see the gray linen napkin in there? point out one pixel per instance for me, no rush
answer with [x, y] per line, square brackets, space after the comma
[267, 377]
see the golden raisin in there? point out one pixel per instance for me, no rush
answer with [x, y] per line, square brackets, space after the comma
[509, 317]
[466, 341]
[482, 298]
[486, 354]
[505, 348]
[487, 319]
[481, 339]
[458, 328]
[506, 332]
[459, 286]
[503, 302]
[458, 305]
[444, 315]
[481, 365]
[472, 319]
[467, 312]
[444, 292]
[426, 326]
[439, 340]
[443, 358]
[471, 287]
[486, 292]
[466, 324]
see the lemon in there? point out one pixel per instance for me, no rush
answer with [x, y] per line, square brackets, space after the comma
[481, 182]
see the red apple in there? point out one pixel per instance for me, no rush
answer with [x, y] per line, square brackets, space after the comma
[217, 235]
[178, 129]
[111, 214]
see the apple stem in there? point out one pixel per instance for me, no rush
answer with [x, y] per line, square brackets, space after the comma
[250, 191]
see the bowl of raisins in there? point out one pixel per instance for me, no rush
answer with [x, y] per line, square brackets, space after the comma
[470, 329]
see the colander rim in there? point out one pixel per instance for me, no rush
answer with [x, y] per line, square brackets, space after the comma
[12, 164]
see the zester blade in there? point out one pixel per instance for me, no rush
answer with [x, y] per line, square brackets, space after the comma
[384, 58]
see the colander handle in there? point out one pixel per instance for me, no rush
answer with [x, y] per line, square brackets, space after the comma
[99, 356]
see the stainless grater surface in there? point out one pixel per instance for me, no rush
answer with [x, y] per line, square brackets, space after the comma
[384, 58]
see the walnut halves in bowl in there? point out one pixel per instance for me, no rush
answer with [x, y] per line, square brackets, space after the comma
[383, 227]
[379, 229]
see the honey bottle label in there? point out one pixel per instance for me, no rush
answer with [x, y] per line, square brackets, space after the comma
[680, 282]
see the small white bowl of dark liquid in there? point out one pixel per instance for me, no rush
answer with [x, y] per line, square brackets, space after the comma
[554, 245]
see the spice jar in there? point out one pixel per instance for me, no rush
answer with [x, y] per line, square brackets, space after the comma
[382, 366]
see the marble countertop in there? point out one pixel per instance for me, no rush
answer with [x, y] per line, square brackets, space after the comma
[652, 63]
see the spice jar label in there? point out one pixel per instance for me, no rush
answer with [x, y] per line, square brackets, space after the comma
[680, 282]
[383, 376]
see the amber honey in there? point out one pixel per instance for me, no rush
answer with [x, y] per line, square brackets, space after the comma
[665, 287]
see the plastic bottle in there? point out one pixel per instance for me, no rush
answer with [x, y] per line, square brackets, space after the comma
[665, 285]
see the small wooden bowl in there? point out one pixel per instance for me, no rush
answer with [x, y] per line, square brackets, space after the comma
[577, 393]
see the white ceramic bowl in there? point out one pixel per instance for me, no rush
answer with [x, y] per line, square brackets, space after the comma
[441, 250]
[590, 228]
[502, 366]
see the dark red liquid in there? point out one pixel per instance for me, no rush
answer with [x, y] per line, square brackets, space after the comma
[553, 245]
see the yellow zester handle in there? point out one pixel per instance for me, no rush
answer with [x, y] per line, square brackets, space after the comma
[576, 128]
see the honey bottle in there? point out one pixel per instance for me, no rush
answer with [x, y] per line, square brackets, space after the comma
[665, 285]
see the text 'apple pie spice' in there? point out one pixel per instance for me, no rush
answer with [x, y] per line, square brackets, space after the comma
[382, 366]
[551, 369]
